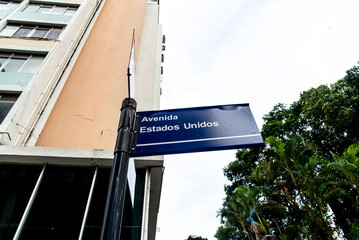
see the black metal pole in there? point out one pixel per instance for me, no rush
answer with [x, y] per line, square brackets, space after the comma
[111, 227]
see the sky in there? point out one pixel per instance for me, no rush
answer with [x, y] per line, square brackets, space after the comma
[241, 51]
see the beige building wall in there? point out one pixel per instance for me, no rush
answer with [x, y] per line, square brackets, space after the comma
[15, 42]
[87, 111]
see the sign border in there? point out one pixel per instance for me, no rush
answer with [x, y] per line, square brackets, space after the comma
[256, 139]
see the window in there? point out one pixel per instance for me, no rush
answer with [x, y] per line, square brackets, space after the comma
[70, 11]
[94, 220]
[8, 6]
[50, 9]
[28, 31]
[24, 63]
[59, 206]
[7, 100]
[22, 31]
[16, 184]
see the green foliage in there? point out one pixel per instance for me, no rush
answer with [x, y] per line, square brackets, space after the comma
[283, 237]
[326, 116]
[354, 229]
[192, 237]
[304, 184]
[227, 232]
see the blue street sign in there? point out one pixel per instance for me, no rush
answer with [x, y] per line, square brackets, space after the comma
[196, 130]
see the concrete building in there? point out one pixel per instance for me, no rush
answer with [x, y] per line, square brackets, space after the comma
[63, 76]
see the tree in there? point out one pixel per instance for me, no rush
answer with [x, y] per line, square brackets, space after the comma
[304, 183]
[326, 116]
[192, 237]
[227, 232]
[340, 187]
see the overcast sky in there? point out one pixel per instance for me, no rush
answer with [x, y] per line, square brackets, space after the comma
[260, 52]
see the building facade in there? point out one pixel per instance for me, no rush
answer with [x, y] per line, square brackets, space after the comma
[63, 76]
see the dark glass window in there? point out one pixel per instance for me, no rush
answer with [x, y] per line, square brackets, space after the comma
[95, 216]
[27, 31]
[40, 32]
[16, 183]
[54, 33]
[23, 31]
[139, 195]
[7, 100]
[132, 218]
[128, 228]
[59, 206]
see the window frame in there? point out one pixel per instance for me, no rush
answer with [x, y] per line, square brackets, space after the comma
[100, 160]
[11, 56]
[52, 9]
[16, 28]
[8, 5]
[8, 98]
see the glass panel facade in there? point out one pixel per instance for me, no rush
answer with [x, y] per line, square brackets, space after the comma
[32, 64]
[23, 31]
[20, 63]
[9, 30]
[132, 218]
[31, 8]
[7, 6]
[14, 65]
[40, 32]
[95, 216]
[5, 108]
[31, 31]
[16, 183]
[7, 100]
[44, 9]
[139, 195]
[58, 209]
[59, 206]
[70, 11]
[54, 33]
[50, 9]
[58, 10]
